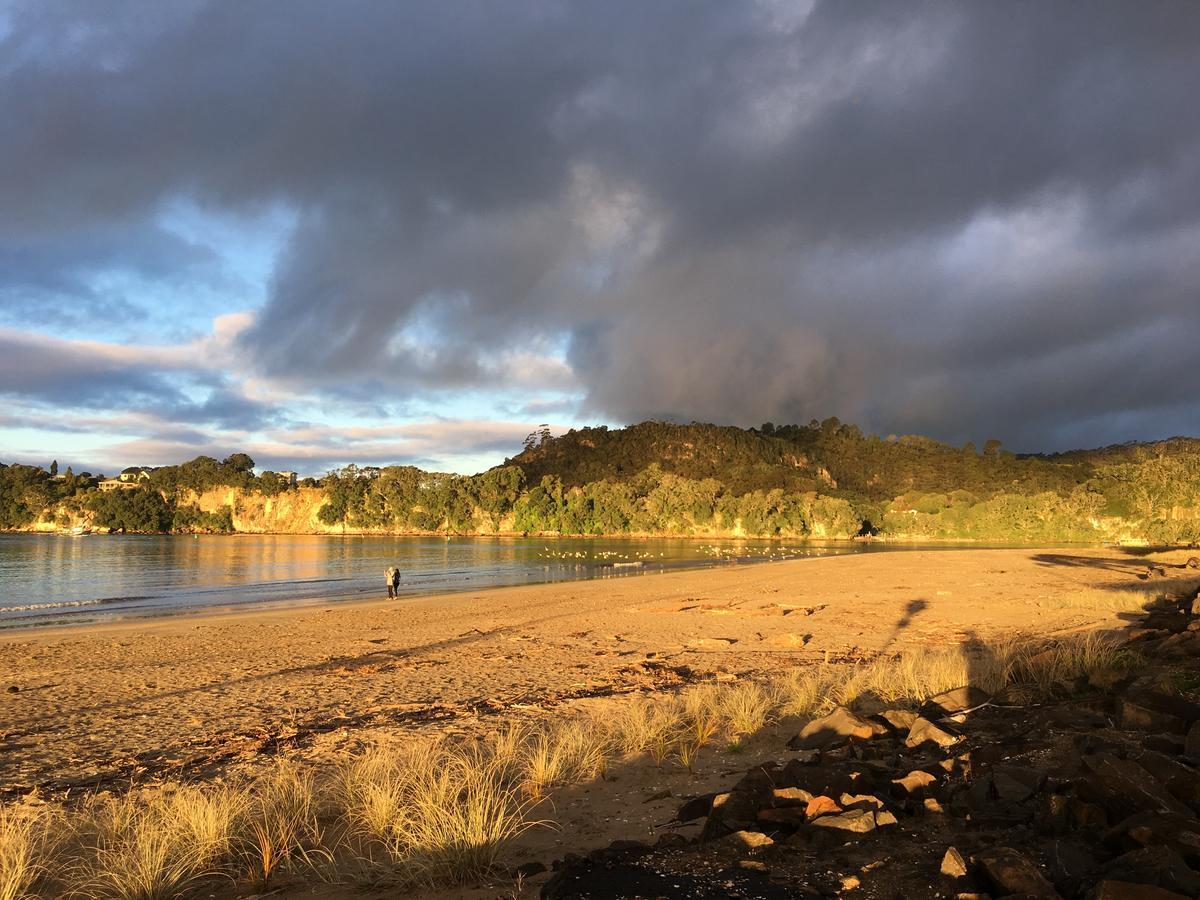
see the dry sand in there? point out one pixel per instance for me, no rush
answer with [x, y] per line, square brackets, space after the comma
[185, 696]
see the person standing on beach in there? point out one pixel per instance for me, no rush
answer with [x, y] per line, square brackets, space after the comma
[393, 581]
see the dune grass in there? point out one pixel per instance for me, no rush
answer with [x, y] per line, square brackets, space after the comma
[437, 811]
[24, 836]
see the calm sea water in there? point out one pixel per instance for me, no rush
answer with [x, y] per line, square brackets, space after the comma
[58, 579]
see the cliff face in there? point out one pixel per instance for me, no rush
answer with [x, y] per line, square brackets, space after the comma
[292, 512]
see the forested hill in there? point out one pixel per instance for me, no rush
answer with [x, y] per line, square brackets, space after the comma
[821, 480]
[831, 458]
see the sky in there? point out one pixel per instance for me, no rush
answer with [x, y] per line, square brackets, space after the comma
[409, 233]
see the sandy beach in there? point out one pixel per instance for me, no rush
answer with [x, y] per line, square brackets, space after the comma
[182, 697]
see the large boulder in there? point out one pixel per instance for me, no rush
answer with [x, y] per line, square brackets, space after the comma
[955, 702]
[1010, 872]
[925, 732]
[1159, 866]
[835, 729]
[1124, 787]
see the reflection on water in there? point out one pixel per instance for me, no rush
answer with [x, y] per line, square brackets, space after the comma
[48, 579]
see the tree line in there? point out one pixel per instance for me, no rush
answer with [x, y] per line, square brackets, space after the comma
[823, 479]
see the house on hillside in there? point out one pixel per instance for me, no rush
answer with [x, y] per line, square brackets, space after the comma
[136, 473]
[117, 484]
[288, 477]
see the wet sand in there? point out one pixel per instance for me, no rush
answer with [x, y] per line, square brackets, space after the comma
[183, 696]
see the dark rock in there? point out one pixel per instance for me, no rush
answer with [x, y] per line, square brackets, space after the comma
[1012, 873]
[14, 689]
[1014, 784]
[1170, 744]
[1159, 866]
[783, 817]
[1191, 744]
[1125, 890]
[528, 870]
[1180, 833]
[925, 732]
[835, 729]
[1181, 781]
[731, 811]
[1071, 863]
[1088, 815]
[761, 779]
[1124, 787]
[1153, 711]
[696, 808]
[671, 840]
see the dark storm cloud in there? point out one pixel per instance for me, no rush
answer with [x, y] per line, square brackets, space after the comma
[963, 219]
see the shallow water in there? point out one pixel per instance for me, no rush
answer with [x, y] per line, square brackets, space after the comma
[58, 579]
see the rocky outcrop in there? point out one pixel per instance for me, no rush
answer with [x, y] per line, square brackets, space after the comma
[1093, 796]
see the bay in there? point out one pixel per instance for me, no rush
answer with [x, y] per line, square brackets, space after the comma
[60, 579]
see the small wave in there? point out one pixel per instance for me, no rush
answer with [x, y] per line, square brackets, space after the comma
[32, 607]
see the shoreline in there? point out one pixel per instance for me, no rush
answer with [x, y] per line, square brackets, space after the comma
[126, 700]
[88, 612]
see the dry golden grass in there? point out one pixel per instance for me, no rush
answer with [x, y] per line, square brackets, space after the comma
[1124, 600]
[745, 708]
[278, 824]
[137, 847]
[440, 812]
[24, 850]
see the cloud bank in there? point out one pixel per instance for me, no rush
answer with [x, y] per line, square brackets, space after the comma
[967, 220]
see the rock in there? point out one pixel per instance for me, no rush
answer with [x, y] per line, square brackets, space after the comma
[695, 808]
[753, 865]
[899, 719]
[885, 819]
[1182, 782]
[1191, 744]
[1159, 866]
[528, 870]
[744, 840]
[923, 731]
[1124, 787]
[1107, 679]
[1088, 815]
[1153, 711]
[915, 782]
[1014, 784]
[1070, 862]
[1012, 873]
[835, 729]
[1180, 833]
[953, 864]
[790, 796]
[854, 820]
[783, 817]
[1193, 562]
[860, 801]
[14, 689]
[1127, 890]
[933, 807]
[821, 806]
[731, 811]
[957, 701]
